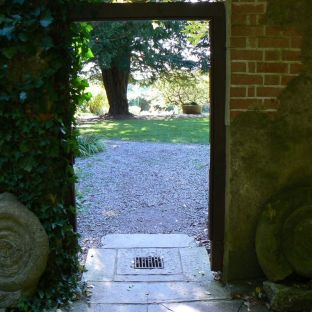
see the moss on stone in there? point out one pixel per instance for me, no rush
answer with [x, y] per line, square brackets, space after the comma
[289, 298]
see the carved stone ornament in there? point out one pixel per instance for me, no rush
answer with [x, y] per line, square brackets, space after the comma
[24, 249]
[284, 235]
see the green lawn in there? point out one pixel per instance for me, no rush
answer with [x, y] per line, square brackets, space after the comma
[177, 130]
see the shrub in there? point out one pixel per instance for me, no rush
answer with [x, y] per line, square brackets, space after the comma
[141, 102]
[98, 104]
[180, 88]
[89, 145]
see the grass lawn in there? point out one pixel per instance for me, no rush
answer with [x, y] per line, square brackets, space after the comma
[177, 130]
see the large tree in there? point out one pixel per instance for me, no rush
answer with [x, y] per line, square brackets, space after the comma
[141, 50]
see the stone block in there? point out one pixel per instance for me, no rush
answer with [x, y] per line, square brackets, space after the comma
[297, 298]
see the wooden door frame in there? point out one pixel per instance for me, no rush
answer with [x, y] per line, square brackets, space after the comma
[214, 12]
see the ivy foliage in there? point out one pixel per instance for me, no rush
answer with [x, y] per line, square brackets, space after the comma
[41, 53]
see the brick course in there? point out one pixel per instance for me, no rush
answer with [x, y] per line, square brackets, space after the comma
[264, 59]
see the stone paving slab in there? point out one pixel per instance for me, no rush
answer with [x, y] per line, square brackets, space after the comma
[147, 241]
[119, 308]
[190, 264]
[225, 306]
[254, 308]
[100, 265]
[185, 284]
[83, 307]
[150, 278]
[155, 292]
[195, 264]
[201, 306]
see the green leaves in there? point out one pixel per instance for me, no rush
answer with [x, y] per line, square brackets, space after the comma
[36, 114]
[89, 54]
[22, 96]
[152, 47]
[18, 1]
[7, 32]
[46, 20]
[9, 52]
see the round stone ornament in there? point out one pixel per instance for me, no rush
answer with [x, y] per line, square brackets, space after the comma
[24, 248]
[297, 241]
[284, 235]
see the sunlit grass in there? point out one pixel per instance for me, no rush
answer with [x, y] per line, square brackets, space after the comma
[177, 130]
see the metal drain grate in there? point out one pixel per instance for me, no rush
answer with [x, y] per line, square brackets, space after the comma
[148, 262]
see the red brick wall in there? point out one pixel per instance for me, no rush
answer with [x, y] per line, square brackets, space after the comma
[263, 58]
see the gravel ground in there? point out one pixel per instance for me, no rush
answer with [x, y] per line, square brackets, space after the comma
[136, 187]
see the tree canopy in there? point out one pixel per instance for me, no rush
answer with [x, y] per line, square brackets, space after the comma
[180, 87]
[144, 50]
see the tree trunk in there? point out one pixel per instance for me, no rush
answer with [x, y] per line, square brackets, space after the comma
[116, 82]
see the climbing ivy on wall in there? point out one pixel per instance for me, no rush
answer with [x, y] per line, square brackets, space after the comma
[41, 53]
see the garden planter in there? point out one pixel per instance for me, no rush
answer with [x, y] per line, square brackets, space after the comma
[191, 109]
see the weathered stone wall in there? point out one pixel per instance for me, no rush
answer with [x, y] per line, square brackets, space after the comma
[270, 109]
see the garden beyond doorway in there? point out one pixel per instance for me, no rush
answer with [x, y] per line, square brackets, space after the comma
[145, 187]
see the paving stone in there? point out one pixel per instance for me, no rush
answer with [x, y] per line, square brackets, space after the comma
[150, 278]
[119, 308]
[254, 308]
[119, 292]
[178, 291]
[171, 257]
[83, 307]
[185, 284]
[100, 265]
[147, 240]
[195, 263]
[217, 290]
[223, 306]
[144, 292]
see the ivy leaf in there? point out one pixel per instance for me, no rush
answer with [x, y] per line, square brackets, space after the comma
[89, 54]
[9, 52]
[46, 20]
[47, 42]
[3, 18]
[23, 96]
[87, 96]
[36, 12]
[28, 165]
[23, 37]
[7, 32]
[17, 17]
[24, 147]
[4, 98]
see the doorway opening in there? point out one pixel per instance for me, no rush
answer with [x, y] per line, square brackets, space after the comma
[214, 12]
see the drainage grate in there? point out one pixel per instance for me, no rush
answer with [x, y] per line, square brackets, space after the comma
[148, 263]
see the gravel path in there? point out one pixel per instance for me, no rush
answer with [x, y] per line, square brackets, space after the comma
[136, 187]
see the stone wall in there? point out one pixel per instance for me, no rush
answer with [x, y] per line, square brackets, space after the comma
[269, 125]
